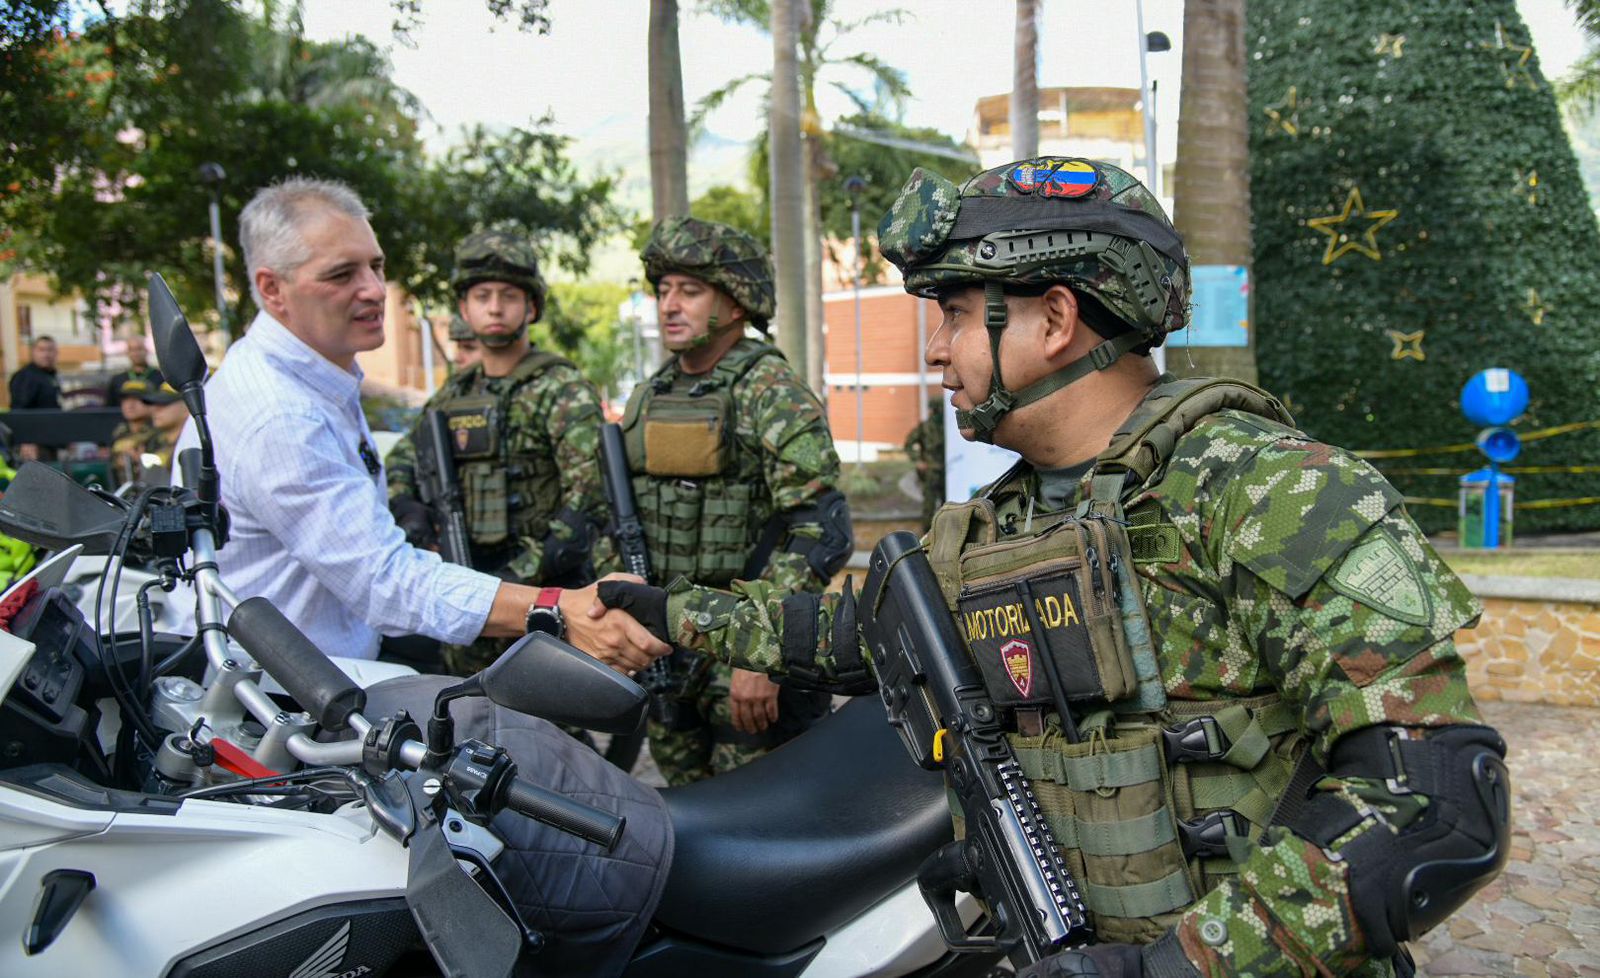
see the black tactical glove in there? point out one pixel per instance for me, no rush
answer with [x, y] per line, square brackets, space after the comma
[416, 521]
[647, 605]
[1162, 959]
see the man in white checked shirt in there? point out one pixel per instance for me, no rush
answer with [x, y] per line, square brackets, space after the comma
[311, 531]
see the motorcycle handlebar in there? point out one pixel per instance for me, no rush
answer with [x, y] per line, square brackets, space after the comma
[574, 817]
[321, 687]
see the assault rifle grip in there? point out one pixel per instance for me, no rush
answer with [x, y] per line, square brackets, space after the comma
[628, 531]
[441, 489]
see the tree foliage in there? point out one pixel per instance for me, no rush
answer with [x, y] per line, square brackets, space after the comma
[1419, 217]
[147, 96]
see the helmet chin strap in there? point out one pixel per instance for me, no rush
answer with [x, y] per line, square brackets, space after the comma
[499, 341]
[712, 330]
[985, 418]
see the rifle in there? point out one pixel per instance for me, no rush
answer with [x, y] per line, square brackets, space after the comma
[439, 488]
[936, 700]
[659, 678]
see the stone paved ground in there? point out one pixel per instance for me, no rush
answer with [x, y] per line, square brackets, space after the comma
[1542, 916]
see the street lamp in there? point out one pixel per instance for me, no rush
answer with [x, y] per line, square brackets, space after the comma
[854, 186]
[211, 176]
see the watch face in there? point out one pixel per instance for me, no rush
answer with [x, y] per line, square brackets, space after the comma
[547, 620]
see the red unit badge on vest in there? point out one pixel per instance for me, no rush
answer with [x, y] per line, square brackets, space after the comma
[1018, 657]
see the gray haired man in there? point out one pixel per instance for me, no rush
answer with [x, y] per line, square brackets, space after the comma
[311, 531]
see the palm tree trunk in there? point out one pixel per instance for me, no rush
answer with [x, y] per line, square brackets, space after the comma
[816, 349]
[1025, 83]
[1211, 194]
[669, 140]
[788, 178]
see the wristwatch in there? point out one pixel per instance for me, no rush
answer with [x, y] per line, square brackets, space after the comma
[544, 615]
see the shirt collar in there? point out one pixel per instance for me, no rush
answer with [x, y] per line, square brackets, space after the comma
[317, 371]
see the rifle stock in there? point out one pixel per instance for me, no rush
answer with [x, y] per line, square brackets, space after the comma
[936, 700]
[440, 489]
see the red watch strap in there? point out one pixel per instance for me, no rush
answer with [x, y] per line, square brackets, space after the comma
[548, 597]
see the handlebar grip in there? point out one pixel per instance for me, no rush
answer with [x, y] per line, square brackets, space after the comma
[189, 467]
[321, 687]
[584, 821]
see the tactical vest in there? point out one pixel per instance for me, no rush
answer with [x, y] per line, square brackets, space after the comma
[703, 500]
[509, 481]
[1153, 799]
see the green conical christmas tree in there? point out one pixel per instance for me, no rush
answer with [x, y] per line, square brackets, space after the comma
[1419, 216]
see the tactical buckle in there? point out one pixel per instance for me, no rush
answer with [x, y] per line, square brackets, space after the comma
[1207, 837]
[1201, 739]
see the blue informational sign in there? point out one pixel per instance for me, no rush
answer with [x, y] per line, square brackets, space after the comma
[1221, 310]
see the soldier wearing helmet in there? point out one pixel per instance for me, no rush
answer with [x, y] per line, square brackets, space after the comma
[464, 342]
[1223, 652]
[734, 473]
[525, 425]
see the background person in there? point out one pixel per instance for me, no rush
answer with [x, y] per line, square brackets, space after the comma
[37, 387]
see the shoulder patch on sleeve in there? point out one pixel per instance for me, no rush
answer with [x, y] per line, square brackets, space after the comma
[1377, 573]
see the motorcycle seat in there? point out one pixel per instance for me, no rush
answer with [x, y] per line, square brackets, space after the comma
[787, 848]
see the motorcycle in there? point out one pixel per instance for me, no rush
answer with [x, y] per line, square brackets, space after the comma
[164, 814]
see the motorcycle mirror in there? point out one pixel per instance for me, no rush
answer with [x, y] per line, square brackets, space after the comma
[545, 677]
[46, 508]
[182, 362]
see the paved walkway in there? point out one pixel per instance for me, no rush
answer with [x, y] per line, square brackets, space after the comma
[1542, 916]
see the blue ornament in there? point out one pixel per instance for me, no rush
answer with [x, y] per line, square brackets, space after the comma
[1494, 397]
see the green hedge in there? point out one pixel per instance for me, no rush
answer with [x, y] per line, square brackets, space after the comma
[1491, 254]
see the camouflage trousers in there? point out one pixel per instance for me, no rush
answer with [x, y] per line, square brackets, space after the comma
[704, 743]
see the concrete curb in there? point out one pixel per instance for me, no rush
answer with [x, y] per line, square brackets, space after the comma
[1568, 589]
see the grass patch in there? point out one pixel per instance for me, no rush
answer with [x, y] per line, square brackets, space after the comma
[1527, 563]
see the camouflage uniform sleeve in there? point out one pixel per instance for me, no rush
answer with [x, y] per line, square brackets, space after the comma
[743, 627]
[1351, 615]
[799, 461]
[400, 465]
[562, 405]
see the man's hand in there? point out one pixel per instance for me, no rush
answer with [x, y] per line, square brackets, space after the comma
[416, 520]
[610, 635]
[753, 699]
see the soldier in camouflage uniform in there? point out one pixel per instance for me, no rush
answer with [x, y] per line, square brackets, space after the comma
[734, 474]
[526, 427]
[925, 448]
[466, 350]
[1277, 768]
[141, 446]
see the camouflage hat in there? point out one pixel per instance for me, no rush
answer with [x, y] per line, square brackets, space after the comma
[720, 255]
[460, 329]
[1088, 225]
[499, 256]
[163, 394]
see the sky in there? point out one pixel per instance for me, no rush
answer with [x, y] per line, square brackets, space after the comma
[588, 75]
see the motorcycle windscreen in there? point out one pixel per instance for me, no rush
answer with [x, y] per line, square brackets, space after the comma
[46, 508]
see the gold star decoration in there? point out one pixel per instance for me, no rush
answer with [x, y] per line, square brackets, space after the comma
[1527, 187]
[1535, 307]
[1286, 114]
[1407, 345]
[1514, 59]
[1390, 44]
[1340, 241]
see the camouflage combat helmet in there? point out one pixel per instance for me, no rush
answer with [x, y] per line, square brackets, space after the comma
[722, 256]
[460, 329]
[1087, 225]
[499, 256]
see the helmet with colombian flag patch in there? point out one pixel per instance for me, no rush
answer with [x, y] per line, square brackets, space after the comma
[1024, 226]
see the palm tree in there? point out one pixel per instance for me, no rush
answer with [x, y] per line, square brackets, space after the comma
[1580, 89]
[1025, 83]
[789, 225]
[818, 37]
[669, 134]
[1211, 194]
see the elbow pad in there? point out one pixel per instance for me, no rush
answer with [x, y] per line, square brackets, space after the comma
[1405, 880]
[850, 675]
[825, 555]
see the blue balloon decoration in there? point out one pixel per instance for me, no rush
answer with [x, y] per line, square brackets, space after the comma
[1494, 397]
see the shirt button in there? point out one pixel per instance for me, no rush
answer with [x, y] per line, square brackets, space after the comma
[1213, 932]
